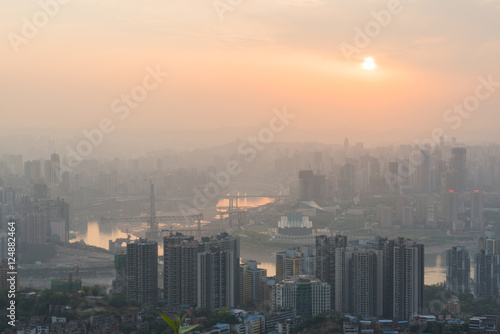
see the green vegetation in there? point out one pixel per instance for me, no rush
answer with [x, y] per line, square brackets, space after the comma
[478, 306]
[223, 316]
[177, 324]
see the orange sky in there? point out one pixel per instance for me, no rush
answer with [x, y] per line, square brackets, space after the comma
[264, 54]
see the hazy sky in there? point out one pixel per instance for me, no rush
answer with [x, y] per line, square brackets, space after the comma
[264, 54]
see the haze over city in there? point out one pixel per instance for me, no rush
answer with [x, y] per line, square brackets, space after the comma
[250, 167]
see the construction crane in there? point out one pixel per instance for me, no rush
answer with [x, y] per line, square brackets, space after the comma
[153, 219]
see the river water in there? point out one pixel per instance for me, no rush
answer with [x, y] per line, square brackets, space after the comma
[97, 235]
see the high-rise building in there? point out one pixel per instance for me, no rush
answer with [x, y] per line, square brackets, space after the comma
[54, 173]
[204, 273]
[384, 215]
[408, 216]
[312, 187]
[367, 282]
[393, 169]
[250, 278]
[180, 279]
[408, 279]
[308, 297]
[459, 163]
[142, 271]
[347, 181]
[486, 274]
[476, 210]
[458, 269]
[381, 278]
[421, 212]
[35, 227]
[325, 260]
[295, 262]
[424, 172]
[449, 207]
[219, 271]
[400, 209]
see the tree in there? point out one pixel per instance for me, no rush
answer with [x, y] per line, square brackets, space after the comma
[177, 324]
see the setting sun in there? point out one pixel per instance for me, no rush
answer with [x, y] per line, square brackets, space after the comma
[369, 63]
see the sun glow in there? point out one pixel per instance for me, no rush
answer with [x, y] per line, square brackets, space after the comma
[369, 63]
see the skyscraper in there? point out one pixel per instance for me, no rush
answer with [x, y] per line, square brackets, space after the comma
[476, 210]
[458, 269]
[487, 266]
[459, 163]
[421, 212]
[486, 274]
[312, 187]
[203, 273]
[219, 271]
[325, 260]
[408, 216]
[366, 278]
[180, 279]
[424, 172]
[449, 207]
[408, 279]
[142, 271]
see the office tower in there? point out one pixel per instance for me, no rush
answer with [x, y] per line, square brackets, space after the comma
[142, 271]
[400, 207]
[424, 172]
[432, 214]
[476, 210]
[251, 276]
[384, 215]
[180, 279]
[325, 260]
[393, 169]
[408, 216]
[408, 279]
[486, 273]
[347, 181]
[307, 296]
[422, 209]
[54, 172]
[366, 282]
[312, 187]
[34, 227]
[346, 144]
[449, 181]
[58, 212]
[449, 207]
[458, 163]
[295, 262]
[218, 262]
[458, 269]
